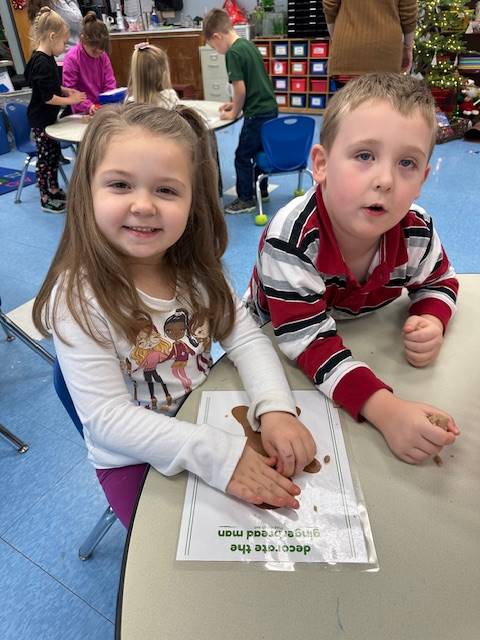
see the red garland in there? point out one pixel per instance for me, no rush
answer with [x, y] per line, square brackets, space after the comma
[19, 5]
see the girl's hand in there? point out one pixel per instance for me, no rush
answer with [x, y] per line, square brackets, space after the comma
[406, 427]
[422, 339]
[285, 438]
[254, 480]
[76, 96]
[93, 109]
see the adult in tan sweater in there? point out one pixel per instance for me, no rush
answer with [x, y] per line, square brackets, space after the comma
[370, 35]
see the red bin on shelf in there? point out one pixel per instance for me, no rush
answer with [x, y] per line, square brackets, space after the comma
[298, 84]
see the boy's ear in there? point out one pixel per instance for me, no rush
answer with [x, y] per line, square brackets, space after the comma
[425, 176]
[319, 163]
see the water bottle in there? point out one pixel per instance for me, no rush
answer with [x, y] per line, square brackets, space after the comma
[154, 22]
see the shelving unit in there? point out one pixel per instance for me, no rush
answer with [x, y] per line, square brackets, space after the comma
[298, 68]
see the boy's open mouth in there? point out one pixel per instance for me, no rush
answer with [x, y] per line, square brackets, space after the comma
[375, 209]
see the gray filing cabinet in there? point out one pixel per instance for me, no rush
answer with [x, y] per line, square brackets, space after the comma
[214, 74]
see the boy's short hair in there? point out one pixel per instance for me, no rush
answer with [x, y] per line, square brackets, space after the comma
[404, 92]
[216, 21]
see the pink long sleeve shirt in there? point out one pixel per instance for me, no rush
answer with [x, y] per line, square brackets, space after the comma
[84, 73]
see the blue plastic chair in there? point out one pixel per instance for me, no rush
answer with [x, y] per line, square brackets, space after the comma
[108, 517]
[286, 149]
[18, 118]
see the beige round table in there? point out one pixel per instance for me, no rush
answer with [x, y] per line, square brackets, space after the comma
[425, 521]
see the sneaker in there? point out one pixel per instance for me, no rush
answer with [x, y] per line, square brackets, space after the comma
[64, 160]
[58, 195]
[241, 206]
[53, 206]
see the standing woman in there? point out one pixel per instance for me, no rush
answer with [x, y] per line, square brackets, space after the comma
[370, 36]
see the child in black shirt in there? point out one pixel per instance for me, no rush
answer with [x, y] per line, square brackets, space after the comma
[50, 34]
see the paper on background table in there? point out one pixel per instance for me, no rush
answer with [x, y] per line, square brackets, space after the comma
[326, 528]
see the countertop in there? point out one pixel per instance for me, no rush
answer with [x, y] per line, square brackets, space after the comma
[155, 32]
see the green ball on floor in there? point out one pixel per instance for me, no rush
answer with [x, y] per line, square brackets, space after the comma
[261, 219]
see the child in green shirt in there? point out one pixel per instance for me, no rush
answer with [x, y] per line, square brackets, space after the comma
[252, 94]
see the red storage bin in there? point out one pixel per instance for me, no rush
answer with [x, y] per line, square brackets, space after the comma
[282, 99]
[298, 68]
[318, 86]
[298, 84]
[264, 50]
[319, 49]
[266, 64]
[279, 68]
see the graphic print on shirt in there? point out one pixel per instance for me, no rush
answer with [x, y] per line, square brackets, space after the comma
[150, 349]
[176, 327]
[200, 330]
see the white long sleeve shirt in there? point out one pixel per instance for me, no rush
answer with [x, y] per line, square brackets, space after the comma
[111, 389]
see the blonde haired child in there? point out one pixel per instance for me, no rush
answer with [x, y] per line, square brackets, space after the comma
[149, 81]
[50, 32]
[87, 66]
[352, 244]
[138, 264]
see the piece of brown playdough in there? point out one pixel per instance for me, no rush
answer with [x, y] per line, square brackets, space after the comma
[440, 421]
[254, 439]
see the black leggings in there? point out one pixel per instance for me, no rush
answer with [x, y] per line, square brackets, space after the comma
[48, 158]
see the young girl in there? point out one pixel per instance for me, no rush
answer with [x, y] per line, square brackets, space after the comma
[139, 263]
[87, 66]
[149, 81]
[50, 33]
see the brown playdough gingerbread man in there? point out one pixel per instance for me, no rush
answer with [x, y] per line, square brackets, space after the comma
[254, 439]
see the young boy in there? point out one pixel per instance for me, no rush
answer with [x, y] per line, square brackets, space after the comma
[252, 93]
[350, 245]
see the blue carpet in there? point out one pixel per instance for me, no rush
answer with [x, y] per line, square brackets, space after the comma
[9, 179]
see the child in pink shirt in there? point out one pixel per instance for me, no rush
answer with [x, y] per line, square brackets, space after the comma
[87, 67]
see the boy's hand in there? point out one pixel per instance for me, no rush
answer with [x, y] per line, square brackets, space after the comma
[406, 427]
[254, 480]
[422, 339]
[226, 111]
[285, 438]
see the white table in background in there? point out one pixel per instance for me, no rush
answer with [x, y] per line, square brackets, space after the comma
[72, 128]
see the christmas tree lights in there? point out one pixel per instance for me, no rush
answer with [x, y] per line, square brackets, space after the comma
[438, 41]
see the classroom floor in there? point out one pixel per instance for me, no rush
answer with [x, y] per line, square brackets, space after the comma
[50, 499]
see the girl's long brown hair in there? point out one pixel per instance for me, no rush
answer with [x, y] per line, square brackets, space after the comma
[85, 260]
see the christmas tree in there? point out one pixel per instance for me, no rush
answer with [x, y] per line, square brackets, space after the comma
[439, 40]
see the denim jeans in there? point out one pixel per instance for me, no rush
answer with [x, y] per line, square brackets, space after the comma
[250, 143]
